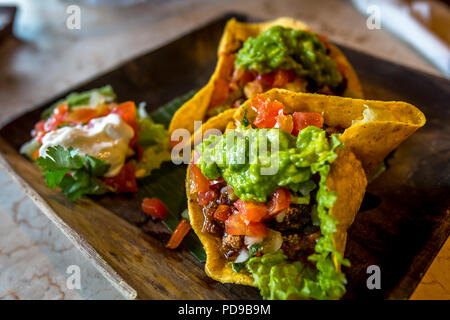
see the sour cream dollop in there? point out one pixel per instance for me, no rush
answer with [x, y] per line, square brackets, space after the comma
[105, 138]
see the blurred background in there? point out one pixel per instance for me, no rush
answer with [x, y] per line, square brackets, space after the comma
[45, 48]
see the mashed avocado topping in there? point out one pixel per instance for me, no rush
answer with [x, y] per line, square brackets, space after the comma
[254, 173]
[298, 159]
[284, 48]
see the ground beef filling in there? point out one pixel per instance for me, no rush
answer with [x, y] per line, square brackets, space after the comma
[298, 232]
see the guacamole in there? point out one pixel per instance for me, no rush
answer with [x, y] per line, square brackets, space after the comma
[284, 48]
[293, 163]
[298, 159]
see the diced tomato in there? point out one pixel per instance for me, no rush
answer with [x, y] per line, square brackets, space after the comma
[139, 152]
[236, 226]
[306, 119]
[154, 207]
[240, 78]
[267, 111]
[284, 122]
[125, 181]
[39, 130]
[266, 80]
[257, 230]
[251, 211]
[178, 235]
[52, 123]
[201, 184]
[282, 78]
[127, 111]
[220, 93]
[279, 201]
[39, 126]
[57, 118]
[204, 198]
[223, 212]
[61, 109]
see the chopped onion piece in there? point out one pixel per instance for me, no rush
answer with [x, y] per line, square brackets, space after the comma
[242, 257]
[273, 241]
[252, 240]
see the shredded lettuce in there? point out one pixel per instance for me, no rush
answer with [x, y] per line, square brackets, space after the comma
[154, 139]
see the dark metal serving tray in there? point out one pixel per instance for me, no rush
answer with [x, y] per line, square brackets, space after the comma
[403, 222]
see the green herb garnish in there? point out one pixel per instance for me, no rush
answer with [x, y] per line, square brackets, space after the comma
[74, 174]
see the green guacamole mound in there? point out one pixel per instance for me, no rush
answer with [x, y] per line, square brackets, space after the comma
[298, 159]
[284, 48]
[247, 168]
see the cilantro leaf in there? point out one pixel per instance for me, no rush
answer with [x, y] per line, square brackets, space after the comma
[75, 175]
[255, 248]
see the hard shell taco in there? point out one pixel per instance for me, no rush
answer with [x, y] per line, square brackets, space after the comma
[283, 231]
[255, 57]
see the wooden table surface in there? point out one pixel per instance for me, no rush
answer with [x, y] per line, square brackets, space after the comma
[48, 58]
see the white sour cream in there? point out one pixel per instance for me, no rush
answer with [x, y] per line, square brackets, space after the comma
[105, 138]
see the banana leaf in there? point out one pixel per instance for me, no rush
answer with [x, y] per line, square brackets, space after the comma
[167, 183]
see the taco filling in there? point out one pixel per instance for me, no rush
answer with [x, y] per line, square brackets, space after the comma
[280, 57]
[273, 225]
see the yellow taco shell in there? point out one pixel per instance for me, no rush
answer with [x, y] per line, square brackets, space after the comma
[346, 177]
[234, 35]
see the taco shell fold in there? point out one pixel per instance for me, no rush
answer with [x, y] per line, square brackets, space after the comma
[372, 128]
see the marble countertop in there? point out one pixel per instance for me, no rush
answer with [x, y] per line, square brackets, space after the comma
[49, 58]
